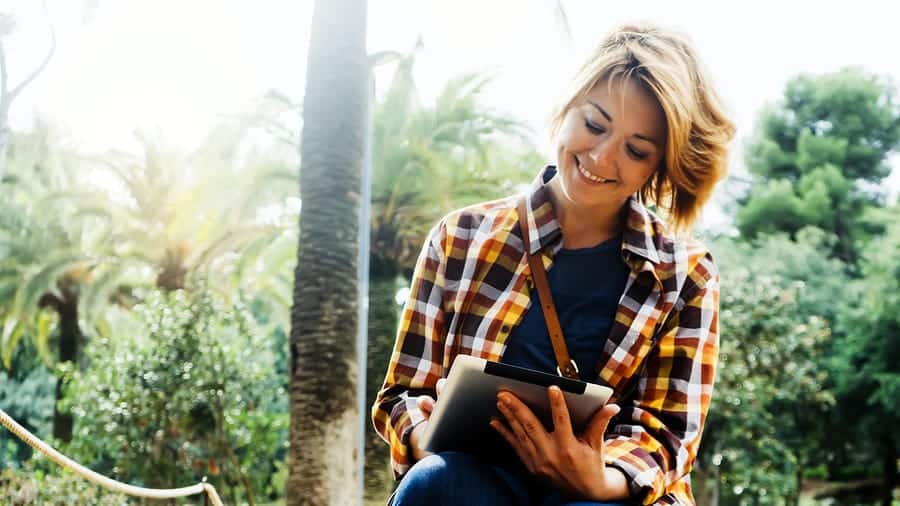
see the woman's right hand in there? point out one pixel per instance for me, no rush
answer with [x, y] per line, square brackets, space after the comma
[426, 405]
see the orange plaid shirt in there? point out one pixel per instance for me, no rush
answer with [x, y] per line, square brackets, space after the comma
[471, 287]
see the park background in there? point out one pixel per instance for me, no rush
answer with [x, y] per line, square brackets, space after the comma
[149, 226]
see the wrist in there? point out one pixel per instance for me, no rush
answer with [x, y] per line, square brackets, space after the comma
[613, 486]
[413, 441]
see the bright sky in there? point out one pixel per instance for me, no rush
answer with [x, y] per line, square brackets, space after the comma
[177, 65]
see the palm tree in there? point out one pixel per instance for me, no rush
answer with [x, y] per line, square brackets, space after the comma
[69, 247]
[426, 161]
[173, 216]
[48, 264]
[322, 462]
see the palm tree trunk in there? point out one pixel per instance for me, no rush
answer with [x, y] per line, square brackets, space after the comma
[69, 343]
[322, 463]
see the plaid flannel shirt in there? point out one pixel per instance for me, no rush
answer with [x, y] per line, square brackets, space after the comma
[471, 287]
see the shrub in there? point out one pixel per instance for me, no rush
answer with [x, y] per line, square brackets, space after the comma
[190, 393]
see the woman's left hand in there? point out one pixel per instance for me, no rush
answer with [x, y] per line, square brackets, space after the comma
[573, 464]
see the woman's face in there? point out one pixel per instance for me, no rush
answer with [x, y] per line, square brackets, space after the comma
[610, 144]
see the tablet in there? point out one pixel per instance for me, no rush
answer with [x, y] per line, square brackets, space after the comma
[461, 418]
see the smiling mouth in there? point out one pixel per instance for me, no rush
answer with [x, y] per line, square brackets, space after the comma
[584, 172]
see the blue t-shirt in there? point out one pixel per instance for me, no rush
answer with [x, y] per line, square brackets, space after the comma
[586, 285]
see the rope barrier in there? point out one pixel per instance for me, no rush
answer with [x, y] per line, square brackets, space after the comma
[99, 479]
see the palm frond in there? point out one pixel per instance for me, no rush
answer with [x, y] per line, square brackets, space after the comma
[43, 328]
[9, 339]
[43, 280]
[95, 295]
[227, 241]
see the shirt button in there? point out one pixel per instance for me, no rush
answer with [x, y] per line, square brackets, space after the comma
[505, 329]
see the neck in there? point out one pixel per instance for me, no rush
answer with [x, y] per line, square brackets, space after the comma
[581, 226]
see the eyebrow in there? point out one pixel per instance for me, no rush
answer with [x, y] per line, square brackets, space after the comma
[609, 118]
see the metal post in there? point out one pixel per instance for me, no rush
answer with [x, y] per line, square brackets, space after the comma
[362, 282]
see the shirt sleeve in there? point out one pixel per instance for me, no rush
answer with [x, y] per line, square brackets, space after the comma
[417, 359]
[657, 433]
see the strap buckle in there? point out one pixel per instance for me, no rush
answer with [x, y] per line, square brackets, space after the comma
[571, 363]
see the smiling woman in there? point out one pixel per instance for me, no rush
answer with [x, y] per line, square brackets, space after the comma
[637, 297]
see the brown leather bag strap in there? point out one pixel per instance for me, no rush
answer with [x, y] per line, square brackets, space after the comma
[565, 366]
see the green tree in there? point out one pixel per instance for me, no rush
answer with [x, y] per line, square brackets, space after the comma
[185, 387]
[178, 214]
[765, 424]
[49, 262]
[325, 418]
[27, 395]
[867, 359]
[70, 247]
[818, 157]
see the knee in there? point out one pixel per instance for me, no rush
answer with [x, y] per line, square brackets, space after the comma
[590, 503]
[429, 479]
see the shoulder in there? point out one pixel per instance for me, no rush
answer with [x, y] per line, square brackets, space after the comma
[684, 259]
[462, 226]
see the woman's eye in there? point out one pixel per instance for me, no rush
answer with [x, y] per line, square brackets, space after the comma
[594, 129]
[637, 155]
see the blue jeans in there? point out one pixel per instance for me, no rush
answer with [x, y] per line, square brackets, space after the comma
[452, 478]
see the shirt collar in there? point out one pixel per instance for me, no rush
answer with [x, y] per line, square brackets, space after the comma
[639, 236]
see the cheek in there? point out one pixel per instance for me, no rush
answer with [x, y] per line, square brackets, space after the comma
[636, 174]
[570, 136]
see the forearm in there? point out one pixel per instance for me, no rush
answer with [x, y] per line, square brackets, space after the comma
[395, 417]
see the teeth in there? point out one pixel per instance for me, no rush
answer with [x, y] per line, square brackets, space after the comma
[596, 179]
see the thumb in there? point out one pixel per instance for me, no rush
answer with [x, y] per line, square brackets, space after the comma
[426, 404]
[596, 428]
[440, 386]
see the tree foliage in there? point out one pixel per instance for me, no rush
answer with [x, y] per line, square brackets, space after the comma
[186, 389]
[818, 156]
[815, 217]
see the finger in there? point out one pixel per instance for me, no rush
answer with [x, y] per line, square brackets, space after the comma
[418, 452]
[440, 386]
[524, 424]
[562, 424]
[596, 428]
[425, 404]
[514, 442]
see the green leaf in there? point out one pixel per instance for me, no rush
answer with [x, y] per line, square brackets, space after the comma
[12, 331]
[44, 280]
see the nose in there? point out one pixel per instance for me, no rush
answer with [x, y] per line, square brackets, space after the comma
[603, 152]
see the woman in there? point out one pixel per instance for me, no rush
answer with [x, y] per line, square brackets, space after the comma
[637, 298]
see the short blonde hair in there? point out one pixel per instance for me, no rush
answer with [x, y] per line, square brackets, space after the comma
[665, 64]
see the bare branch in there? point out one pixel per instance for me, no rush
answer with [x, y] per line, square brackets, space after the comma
[6, 27]
[3, 88]
[15, 91]
[562, 21]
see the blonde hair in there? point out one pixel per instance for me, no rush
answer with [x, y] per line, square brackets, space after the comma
[665, 64]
